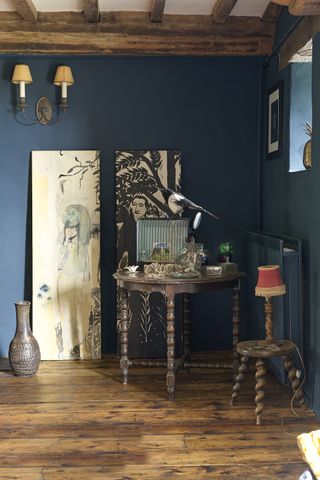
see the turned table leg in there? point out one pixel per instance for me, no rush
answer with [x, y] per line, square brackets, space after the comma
[260, 383]
[124, 360]
[235, 327]
[170, 347]
[239, 379]
[293, 379]
[186, 327]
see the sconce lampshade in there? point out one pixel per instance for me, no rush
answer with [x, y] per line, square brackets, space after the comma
[269, 283]
[63, 75]
[21, 73]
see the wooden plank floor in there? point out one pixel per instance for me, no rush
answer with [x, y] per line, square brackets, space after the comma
[76, 421]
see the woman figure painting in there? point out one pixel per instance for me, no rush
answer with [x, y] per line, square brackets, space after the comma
[74, 289]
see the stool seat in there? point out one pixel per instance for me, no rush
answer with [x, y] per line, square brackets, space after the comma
[261, 350]
[265, 348]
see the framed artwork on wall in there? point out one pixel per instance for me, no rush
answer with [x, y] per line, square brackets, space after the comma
[274, 120]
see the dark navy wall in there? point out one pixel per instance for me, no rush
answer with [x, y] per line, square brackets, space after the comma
[291, 206]
[208, 108]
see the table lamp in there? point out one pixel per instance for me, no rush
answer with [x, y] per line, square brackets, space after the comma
[269, 285]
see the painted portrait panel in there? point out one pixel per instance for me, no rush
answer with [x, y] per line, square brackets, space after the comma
[141, 179]
[66, 253]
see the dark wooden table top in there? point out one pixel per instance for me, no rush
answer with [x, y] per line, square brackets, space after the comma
[140, 277]
[138, 280]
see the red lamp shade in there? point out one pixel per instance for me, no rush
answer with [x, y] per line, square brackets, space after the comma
[270, 283]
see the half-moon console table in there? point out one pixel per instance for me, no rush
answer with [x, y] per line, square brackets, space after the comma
[170, 287]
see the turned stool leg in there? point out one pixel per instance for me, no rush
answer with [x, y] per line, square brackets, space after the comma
[260, 383]
[239, 379]
[293, 379]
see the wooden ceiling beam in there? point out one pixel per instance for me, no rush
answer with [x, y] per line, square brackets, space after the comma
[306, 29]
[304, 7]
[283, 3]
[271, 13]
[127, 33]
[26, 10]
[157, 9]
[221, 10]
[91, 10]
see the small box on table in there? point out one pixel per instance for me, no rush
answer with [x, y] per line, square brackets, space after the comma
[228, 267]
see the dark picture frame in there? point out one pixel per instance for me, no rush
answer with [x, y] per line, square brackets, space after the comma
[274, 120]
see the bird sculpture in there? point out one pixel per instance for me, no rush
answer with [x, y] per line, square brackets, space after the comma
[178, 202]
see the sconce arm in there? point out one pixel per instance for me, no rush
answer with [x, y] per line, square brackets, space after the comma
[43, 112]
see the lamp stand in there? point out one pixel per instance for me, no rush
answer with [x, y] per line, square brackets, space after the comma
[269, 322]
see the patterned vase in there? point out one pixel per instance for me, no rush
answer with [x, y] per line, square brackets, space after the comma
[24, 351]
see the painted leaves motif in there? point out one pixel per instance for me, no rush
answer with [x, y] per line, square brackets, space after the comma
[137, 172]
[145, 319]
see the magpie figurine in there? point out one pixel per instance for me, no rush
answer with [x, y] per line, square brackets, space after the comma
[178, 202]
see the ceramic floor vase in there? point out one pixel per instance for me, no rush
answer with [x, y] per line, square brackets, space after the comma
[24, 351]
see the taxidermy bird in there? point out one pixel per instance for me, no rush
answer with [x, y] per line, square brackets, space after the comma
[178, 202]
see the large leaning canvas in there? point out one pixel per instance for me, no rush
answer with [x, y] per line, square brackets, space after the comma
[66, 253]
[141, 178]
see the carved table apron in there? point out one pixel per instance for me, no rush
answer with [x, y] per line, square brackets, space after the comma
[170, 287]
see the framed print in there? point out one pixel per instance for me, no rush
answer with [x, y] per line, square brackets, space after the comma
[274, 120]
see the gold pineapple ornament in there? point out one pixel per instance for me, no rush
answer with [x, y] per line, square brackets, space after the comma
[307, 147]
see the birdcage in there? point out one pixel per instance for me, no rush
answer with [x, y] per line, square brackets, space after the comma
[160, 240]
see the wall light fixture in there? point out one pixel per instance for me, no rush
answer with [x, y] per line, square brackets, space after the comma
[43, 109]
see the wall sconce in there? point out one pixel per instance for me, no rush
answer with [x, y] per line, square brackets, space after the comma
[43, 109]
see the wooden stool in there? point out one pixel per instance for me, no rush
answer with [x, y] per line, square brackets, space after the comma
[262, 349]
